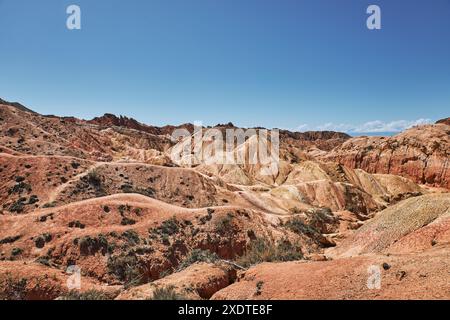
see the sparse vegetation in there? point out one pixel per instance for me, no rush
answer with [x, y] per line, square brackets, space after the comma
[16, 252]
[298, 226]
[45, 217]
[124, 208]
[18, 206]
[126, 268]
[10, 239]
[88, 295]
[166, 229]
[49, 205]
[131, 237]
[89, 245]
[169, 227]
[167, 293]
[12, 288]
[225, 224]
[259, 286]
[93, 178]
[198, 255]
[33, 199]
[41, 240]
[75, 165]
[76, 224]
[262, 250]
[20, 187]
[44, 260]
[127, 221]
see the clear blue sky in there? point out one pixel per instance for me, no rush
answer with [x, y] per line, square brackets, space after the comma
[274, 63]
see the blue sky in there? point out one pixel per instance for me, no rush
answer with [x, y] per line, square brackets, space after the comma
[276, 63]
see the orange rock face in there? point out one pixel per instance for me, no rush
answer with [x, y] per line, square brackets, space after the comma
[420, 154]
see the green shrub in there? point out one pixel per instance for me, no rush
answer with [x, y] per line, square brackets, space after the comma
[13, 289]
[225, 224]
[49, 205]
[44, 260]
[131, 236]
[126, 268]
[17, 206]
[169, 227]
[16, 252]
[41, 240]
[89, 246]
[88, 295]
[93, 178]
[198, 255]
[298, 226]
[261, 250]
[127, 221]
[167, 293]
[76, 224]
[10, 239]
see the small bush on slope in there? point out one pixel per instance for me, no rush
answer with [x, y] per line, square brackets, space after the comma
[261, 250]
[198, 255]
[88, 295]
[167, 293]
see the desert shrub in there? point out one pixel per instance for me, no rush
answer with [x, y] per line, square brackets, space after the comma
[16, 251]
[295, 210]
[167, 293]
[259, 286]
[131, 237]
[126, 268]
[298, 226]
[20, 187]
[45, 217]
[198, 255]
[10, 239]
[75, 165]
[148, 192]
[123, 208]
[33, 199]
[225, 224]
[93, 178]
[76, 224]
[128, 188]
[127, 221]
[13, 289]
[49, 205]
[17, 206]
[44, 260]
[169, 227]
[208, 217]
[88, 295]
[41, 240]
[322, 216]
[89, 245]
[261, 250]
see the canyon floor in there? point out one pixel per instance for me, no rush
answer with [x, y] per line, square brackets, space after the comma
[341, 218]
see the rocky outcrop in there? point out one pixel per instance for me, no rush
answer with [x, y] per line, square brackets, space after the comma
[444, 121]
[421, 154]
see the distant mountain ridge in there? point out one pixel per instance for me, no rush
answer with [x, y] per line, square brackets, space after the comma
[16, 105]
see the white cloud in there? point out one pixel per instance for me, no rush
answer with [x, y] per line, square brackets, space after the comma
[375, 126]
